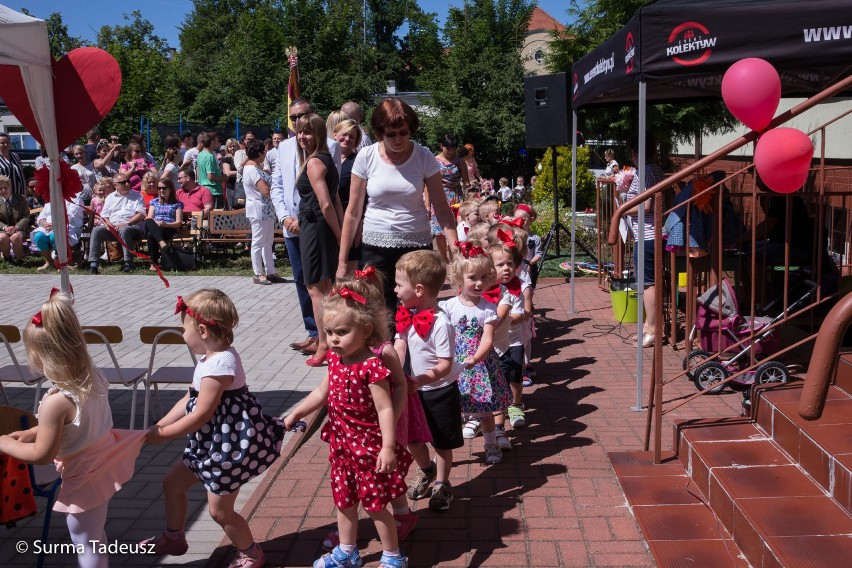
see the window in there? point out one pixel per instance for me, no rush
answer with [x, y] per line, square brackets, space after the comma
[539, 56]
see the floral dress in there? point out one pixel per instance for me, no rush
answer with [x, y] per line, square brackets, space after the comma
[355, 438]
[483, 387]
[451, 182]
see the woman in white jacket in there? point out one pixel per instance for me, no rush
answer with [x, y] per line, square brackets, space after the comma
[261, 213]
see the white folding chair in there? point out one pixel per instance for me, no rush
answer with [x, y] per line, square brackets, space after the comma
[107, 335]
[17, 373]
[161, 335]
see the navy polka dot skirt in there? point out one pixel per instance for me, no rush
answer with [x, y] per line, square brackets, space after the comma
[238, 443]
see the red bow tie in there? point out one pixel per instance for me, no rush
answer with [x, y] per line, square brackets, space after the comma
[422, 321]
[492, 294]
[516, 222]
[514, 286]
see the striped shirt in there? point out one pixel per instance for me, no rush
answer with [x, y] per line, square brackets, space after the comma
[14, 169]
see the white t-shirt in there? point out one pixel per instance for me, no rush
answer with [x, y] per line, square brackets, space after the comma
[222, 364]
[191, 155]
[257, 207]
[484, 312]
[395, 215]
[610, 168]
[424, 353]
[505, 193]
[462, 231]
[502, 337]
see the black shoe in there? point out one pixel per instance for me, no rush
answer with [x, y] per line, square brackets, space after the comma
[128, 267]
[93, 268]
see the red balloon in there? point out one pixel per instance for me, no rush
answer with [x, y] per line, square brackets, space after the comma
[751, 90]
[783, 158]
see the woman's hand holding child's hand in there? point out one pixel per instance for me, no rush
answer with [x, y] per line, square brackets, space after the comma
[386, 461]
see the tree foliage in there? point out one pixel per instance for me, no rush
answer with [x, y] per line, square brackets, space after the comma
[543, 189]
[478, 89]
[594, 21]
[143, 59]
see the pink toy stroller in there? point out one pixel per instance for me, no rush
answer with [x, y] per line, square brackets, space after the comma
[722, 327]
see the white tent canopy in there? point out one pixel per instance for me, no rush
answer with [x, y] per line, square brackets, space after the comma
[24, 43]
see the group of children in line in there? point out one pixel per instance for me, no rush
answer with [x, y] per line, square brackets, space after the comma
[465, 359]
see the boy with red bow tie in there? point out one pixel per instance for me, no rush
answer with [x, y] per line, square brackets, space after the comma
[426, 333]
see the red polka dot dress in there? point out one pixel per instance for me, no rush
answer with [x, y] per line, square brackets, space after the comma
[355, 439]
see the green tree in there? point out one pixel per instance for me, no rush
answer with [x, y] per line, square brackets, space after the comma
[478, 87]
[61, 42]
[543, 189]
[143, 59]
[594, 21]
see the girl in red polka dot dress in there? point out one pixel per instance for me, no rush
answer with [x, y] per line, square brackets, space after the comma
[368, 466]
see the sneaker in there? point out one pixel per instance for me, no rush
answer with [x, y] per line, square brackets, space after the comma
[471, 428]
[441, 498]
[338, 559]
[105, 257]
[253, 559]
[164, 545]
[419, 486]
[387, 561]
[527, 381]
[516, 416]
[502, 441]
[332, 539]
[405, 524]
[493, 454]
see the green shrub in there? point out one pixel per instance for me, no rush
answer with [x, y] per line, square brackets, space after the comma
[543, 189]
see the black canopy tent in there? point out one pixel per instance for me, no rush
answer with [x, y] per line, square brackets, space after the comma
[680, 49]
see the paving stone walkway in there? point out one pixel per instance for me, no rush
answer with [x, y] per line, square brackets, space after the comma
[554, 501]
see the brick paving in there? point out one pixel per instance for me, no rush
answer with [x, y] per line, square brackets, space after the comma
[554, 501]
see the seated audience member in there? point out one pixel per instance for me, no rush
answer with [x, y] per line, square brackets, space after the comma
[193, 196]
[32, 199]
[136, 165]
[165, 214]
[105, 164]
[149, 188]
[124, 211]
[103, 188]
[44, 238]
[86, 171]
[14, 221]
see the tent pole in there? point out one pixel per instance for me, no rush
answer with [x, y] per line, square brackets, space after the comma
[554, 157]
[60, 224]
[573, 202]
[640, 244]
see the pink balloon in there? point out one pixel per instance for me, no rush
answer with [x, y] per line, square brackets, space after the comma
[783, 158]
[751, 90]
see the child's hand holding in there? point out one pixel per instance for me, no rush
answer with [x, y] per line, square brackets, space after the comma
[469, 363]
[386, 461]
[155, 435]
[289, 421]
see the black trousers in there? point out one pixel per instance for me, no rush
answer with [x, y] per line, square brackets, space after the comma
[155, 235]
[384, 260]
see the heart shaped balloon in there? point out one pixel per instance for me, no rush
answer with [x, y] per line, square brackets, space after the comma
[86, 85]
[751, 90]
[783, 158]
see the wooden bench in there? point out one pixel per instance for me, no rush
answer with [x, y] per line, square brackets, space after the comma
[231, 228]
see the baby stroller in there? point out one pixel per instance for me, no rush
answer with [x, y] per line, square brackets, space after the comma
[722, 327]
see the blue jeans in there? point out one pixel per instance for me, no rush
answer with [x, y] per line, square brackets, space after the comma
[305, 303]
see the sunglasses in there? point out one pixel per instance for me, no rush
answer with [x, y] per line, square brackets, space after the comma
[162, 187]
[295, 117]
[398, 133]
[121, 182]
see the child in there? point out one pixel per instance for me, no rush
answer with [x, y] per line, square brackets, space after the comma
[488, 210]
[478, 234]
[529, 273]
[506, 252]
[505, 192]
[74, 429]
[482, 385]
[367, 463]
[102, 188]
[469, 214]
[426, 332]
[225, 427]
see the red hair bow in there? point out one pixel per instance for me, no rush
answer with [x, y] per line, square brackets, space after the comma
[506, 238]
[516, 222]
[422, 321]
[525, 208]
[368, 273]
[37, 319]
[181, 306]
[469, 250]
[345, 292]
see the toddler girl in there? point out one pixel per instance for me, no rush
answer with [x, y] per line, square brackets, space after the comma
[482, 386]
[74, 429]
[368, 465]
[469, 214]
[225, 427]
[102, 188]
